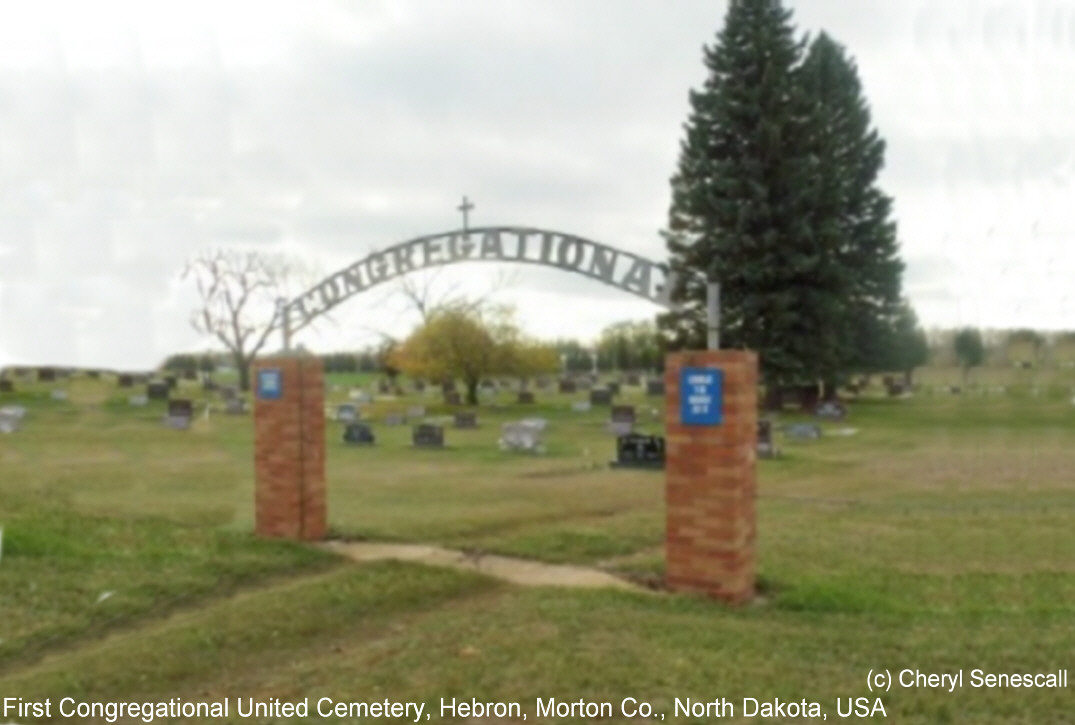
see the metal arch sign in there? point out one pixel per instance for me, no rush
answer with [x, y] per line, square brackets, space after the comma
[615, 267]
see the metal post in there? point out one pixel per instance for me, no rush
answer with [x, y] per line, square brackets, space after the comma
[285, 321]
[712, 315]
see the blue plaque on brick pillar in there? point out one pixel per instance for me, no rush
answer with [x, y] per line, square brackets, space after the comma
[701, 396]
[270, 384]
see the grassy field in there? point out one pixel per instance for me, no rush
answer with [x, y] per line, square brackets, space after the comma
[938, 536]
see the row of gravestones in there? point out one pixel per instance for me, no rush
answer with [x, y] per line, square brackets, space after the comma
[523, 435]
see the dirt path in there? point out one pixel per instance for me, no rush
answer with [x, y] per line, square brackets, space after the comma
[518, 571]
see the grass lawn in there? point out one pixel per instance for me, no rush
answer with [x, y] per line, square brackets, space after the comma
[938, 536]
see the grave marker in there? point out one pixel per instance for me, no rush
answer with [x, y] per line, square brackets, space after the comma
[466, 420]
[634, 450]
[600, 396]
[427, 435]
[358, 434]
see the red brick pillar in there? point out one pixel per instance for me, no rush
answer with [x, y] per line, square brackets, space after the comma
[289, 447]
[710, 476]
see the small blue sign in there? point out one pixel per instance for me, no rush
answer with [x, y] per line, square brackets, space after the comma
[701, 396]
[270, 384]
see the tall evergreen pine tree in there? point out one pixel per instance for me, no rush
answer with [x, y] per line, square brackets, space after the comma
[850, 215]
[741, 198]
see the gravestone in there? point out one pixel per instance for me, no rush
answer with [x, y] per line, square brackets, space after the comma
[581, 406]
[622, 420]
[766, 447]
[171, 381]
[419, 385]
[447, 387]
[600, 396]
[6, 386]
[180, 413]
[138, 401]
[633, 379]
[209, 385]
[416, 411]
[831, 410]
[11, 418]
[613, 388]
[125, 380]
[346, 413]
[543, 383]
[451, 397]
[360, 396]
[235, 406]
[427, 435]
[190, 374]
[466, 419]
[228, 392]
[523, 435]
[525, 397]
[46, 375]
[157, 391]
[895, 389]
[394, 419]
[655, 387]
[358, 434]
[9, 423]
[955, 389]
[802, 431]
[634, 450]
[568, 386]
[60, 395]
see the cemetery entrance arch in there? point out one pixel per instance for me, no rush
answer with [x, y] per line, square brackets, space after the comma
[526, 245]
[710, 404]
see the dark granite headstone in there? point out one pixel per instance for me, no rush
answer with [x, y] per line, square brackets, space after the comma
[125, 380]
[525, 397]
[171, 381]
[6, 386]
[181, 407]
[358, 434]
[895, 390]
[427, 435]
[600, 396]
[190, 374]
[633, 379]
[655, 387]
[466, 419]
[451, 397]
[622, 414]
[180, 412]
[157, 390]
[419, 385]
[46, 375]
[766, 448]
[635, 450]
[614, 387]
[568, 386]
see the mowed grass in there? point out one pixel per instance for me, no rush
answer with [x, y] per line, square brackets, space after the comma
[939, 535]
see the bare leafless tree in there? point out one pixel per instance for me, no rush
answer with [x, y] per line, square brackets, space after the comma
[238, 293]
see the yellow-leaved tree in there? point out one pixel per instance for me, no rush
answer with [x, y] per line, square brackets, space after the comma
[460, 342]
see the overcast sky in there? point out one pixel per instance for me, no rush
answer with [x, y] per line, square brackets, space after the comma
[133, 134]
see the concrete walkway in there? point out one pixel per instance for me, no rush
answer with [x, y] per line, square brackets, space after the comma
[517, 571]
